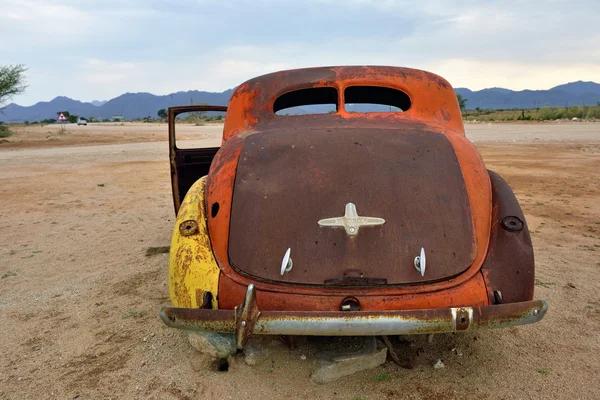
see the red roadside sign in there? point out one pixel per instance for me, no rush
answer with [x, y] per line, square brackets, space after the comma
[61, 117]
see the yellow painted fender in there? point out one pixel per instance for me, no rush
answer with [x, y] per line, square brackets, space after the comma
[193, 269]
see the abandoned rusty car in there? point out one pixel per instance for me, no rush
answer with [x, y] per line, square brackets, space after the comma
[367, 213]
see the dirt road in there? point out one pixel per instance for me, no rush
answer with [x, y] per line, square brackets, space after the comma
[79, 297]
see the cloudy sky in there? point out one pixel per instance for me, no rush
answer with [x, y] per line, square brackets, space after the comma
[99, 49]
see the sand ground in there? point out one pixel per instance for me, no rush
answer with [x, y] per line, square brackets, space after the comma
[79, 297]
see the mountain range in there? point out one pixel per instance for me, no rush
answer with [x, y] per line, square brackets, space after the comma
[128, 105]
[569, 94]
[140, 105]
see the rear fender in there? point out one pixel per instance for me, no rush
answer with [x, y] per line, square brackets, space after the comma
[193, 270]
[509, 265]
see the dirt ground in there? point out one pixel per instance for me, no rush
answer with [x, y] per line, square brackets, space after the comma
[55, 135]
[79, 297]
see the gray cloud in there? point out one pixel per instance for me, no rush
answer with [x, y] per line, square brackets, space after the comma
[96, 50]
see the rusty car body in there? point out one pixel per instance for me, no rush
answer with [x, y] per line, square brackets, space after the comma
[394, 223]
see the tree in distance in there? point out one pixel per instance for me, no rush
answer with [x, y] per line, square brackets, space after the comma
[12, 83]
[462, 102]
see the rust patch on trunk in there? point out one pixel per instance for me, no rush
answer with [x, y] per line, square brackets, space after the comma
[289, 180]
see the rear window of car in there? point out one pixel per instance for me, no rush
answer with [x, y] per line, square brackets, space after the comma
[375, 99]
[319, 100]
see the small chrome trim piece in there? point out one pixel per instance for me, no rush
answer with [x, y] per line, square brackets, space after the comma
[420, 262]
[287, 264]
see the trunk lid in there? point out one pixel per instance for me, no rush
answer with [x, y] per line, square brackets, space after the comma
[288, 181]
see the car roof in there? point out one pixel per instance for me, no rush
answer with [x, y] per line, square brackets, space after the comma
[433, 100]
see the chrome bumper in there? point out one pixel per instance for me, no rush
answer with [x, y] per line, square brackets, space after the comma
[247, 320]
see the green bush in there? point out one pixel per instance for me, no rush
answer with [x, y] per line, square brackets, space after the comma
[47, 121]
[552, 113]
[4, 131]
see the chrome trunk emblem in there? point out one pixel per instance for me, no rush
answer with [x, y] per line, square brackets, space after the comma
[351, 221]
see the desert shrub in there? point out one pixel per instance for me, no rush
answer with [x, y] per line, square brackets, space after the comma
[550, 114]
[591, 112]
[4, 131]
[574, 112]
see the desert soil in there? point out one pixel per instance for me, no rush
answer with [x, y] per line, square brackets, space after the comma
[79, 297]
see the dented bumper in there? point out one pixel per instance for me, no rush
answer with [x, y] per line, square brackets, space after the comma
[247, 320]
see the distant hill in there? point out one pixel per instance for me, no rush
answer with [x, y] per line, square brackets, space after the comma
[139, 105]
[579, 88]
[572, 94]
[129, 105]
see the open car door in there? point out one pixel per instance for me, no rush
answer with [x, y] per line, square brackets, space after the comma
[188, 165]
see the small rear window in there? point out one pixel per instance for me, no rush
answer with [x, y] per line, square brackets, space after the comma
[321, 100]
[375, 99]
